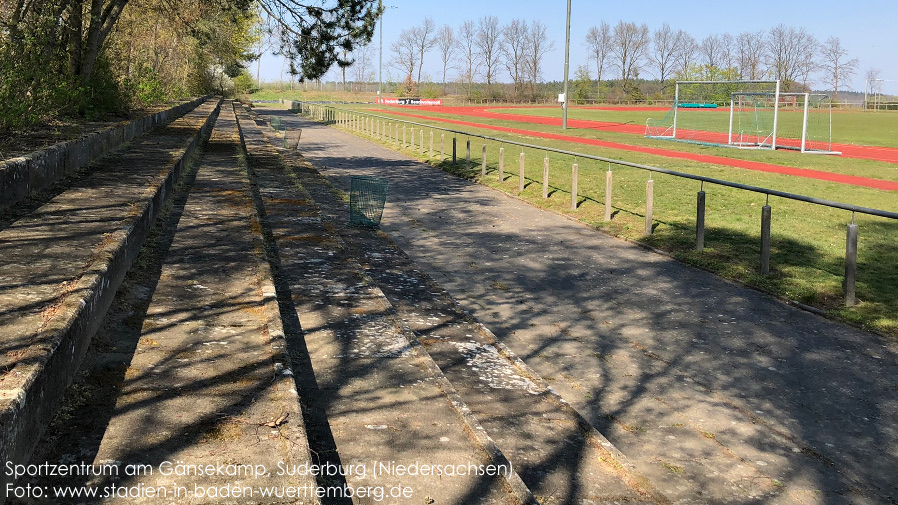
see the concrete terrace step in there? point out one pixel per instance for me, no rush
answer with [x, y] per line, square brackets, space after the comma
[559, 456]
[61, 265]
[200, 372]
[369, 395]
[24, 175]
[556, 453]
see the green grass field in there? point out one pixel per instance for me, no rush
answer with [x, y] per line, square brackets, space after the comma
[807, 257]
[878, 128]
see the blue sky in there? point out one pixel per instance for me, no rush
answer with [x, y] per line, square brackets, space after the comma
[867, 29]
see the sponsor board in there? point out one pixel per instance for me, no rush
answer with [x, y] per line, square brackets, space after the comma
[409, 101]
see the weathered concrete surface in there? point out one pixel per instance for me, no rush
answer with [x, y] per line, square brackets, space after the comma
[185, 369]
[60, 267]
[717, 393]
[369, 396]
[25, 175]
[558, 458]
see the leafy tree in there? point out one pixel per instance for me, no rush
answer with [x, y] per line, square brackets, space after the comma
[582, 85]
[58, 56]
[314, 35]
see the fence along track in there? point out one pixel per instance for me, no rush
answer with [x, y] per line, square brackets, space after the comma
[352, 121]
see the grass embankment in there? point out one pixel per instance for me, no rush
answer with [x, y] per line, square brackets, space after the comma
[808, 241]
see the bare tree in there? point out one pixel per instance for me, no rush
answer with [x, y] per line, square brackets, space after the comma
[630, 43]
[514, 49]
[710, 52]
[363, 67]
[750, 49]
[874, 80]
[265, 35]
[686, 49]
[405, 53]
[728, 56]
[598, 43]
[445, 42]
[423, 36]
[489, 46]
[791, 55]
[466, 44]
[663, 52]
[538, 45]
[837, 68]
[874, 84]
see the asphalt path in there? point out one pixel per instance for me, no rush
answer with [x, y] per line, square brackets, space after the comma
[717, 393]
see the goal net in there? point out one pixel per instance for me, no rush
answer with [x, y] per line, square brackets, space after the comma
[746, 114]
[805, 123]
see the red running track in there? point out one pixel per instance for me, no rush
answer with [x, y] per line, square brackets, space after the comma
[885, 154]
[703, 158]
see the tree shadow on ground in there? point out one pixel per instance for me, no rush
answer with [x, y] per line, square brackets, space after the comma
[652, 351]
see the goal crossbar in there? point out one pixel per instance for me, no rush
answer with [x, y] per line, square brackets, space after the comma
[762, 133]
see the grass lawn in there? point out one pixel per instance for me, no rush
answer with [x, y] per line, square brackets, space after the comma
[808, 244]
[879, 128]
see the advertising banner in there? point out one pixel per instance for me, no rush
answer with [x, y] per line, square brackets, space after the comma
[409, 101]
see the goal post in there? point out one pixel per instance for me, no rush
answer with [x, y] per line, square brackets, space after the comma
[700, 111]
[807, 123]
[753, 114]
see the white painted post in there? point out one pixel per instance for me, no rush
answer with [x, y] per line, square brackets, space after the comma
[608, 194]
[765, 239]
[649, 205]
[501, 164]
[851, 264]
[700, 221]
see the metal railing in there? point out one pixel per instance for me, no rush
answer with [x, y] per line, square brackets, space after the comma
[353, 120]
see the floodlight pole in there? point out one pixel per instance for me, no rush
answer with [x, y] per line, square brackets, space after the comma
[380, 58]
[567, 57]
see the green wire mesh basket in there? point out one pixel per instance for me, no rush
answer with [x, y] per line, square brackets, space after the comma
[367, 197]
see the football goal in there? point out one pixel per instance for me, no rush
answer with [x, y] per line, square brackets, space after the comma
[748, 115]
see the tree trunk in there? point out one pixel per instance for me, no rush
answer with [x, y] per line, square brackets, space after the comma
[102, 20]
[76, 23]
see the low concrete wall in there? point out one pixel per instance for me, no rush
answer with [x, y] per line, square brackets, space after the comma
[292, 104]
[22, 176]
[29, 399]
